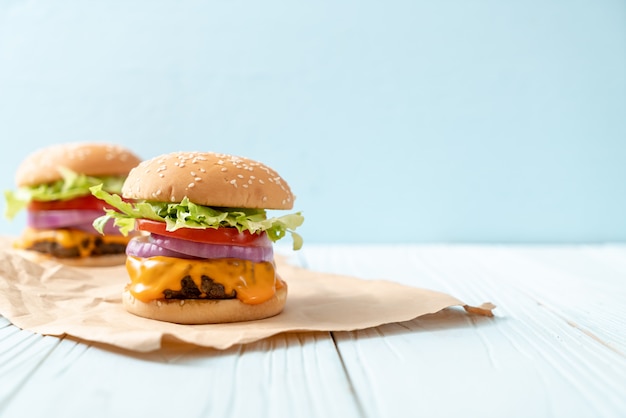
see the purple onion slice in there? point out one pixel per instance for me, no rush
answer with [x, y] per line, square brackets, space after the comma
[153, 245]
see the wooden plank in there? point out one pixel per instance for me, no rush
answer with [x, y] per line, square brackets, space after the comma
[21, 353]
[528, 361]
[577, 284]
[286, 375]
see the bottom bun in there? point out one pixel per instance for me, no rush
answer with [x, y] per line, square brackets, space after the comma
[95, 261]
[205, 311]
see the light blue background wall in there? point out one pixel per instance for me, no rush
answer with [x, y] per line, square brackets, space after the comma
[393, 121]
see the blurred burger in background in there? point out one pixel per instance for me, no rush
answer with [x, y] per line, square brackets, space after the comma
[53, 187]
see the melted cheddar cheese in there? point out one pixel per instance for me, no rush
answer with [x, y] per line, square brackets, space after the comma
[84, 241]
[253, 282]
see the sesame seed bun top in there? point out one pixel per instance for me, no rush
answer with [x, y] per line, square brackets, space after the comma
[208, 179]
[89, 158]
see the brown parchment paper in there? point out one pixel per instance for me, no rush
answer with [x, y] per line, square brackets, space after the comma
[54, 299]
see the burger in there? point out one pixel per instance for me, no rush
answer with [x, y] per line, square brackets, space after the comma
[205, 253]
[53, 186]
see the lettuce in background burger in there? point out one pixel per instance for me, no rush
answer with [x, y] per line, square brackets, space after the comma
[54, 188]
[208, 253]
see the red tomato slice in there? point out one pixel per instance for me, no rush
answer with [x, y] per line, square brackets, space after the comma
[83, 202]
[225, 236]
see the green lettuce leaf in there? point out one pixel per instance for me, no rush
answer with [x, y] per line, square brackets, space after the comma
[71, 185]
[187, 214]
[16, 201]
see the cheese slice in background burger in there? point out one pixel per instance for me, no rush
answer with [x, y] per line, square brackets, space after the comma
[54, 188]
[208, 253]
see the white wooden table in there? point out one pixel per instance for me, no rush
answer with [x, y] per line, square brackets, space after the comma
[555, 348]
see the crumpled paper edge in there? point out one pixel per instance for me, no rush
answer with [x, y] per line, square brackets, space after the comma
[149, 335]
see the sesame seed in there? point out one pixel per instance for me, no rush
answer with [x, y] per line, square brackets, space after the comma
[233, 182]
[202, 170]
[240, 176]
[224, 169]
[193, 174]
[245, 186]
[198, 179]
[191, 185]
[261, 181]
[161, 175]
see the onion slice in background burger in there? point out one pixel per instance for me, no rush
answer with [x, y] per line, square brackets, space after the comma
[46, 219]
